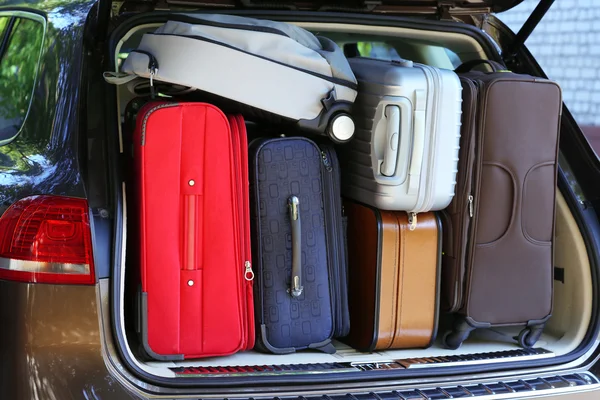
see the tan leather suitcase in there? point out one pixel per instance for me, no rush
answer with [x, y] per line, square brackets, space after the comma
[393, 278]
[499, 228]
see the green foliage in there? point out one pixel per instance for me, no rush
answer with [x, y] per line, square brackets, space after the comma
[18, 69]
[364, 48]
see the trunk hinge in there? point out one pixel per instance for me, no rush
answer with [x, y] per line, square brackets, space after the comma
[444, 11]
[510, 56]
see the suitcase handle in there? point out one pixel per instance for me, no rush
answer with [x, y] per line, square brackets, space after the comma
[416, 160]
[294, 209]
[469, 65]
[390, 155]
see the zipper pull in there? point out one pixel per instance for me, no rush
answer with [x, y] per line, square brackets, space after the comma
[470, 205]
[248, 273]
[412, 221]
[326, 162]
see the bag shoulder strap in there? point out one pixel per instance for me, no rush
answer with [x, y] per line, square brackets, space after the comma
[118, 78]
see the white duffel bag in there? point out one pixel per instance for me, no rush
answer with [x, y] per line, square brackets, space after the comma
[272, 66]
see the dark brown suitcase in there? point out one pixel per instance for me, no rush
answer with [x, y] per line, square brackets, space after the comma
[499, 229]
[394, 278]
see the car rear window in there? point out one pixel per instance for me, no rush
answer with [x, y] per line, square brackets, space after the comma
[18, 68]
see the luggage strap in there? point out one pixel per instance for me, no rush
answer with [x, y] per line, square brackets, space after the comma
[141, 86]
[118, 78]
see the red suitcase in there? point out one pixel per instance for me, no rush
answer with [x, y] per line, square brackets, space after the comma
[192, 187]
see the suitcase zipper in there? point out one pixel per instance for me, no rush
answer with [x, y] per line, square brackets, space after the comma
[326, 162]
[481, 94]
[470, 201]
[465, 199]
[412, 221]
[332, 230]
[435, 104]
[248, 273]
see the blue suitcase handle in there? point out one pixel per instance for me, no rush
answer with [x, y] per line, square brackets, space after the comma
[296, 283]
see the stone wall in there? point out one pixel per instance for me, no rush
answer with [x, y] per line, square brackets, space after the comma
[567, 45]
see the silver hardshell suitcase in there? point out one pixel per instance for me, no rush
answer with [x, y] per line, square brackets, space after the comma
[405, 151]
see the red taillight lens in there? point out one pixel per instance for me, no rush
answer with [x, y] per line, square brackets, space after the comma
[47, 239]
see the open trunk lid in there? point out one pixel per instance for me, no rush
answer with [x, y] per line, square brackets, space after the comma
[423, 7]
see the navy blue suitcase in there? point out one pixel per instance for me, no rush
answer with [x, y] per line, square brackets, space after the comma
[301, 296]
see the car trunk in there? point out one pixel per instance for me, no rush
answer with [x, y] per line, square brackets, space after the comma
[429, 41]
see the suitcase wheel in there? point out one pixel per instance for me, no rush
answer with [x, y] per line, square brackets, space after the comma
[529, 336]
[454, 339]
[341, 128]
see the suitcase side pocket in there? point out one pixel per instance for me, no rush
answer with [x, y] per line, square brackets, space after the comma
[458, 218]
[335, 232]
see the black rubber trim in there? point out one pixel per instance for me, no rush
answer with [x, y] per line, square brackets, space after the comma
[144, 333]
[266, 346]
[6, 35]
[585, 217]
[338, 81]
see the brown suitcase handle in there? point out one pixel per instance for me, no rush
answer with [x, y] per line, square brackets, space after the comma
[469, 65]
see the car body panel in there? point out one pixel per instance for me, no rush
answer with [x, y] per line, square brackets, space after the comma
[51, 344]
[43, 157]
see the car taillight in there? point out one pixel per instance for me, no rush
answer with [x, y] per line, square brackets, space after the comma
[47, 239]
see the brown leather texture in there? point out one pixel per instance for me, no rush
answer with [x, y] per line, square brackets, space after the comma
[394, 278]
[509, 146]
